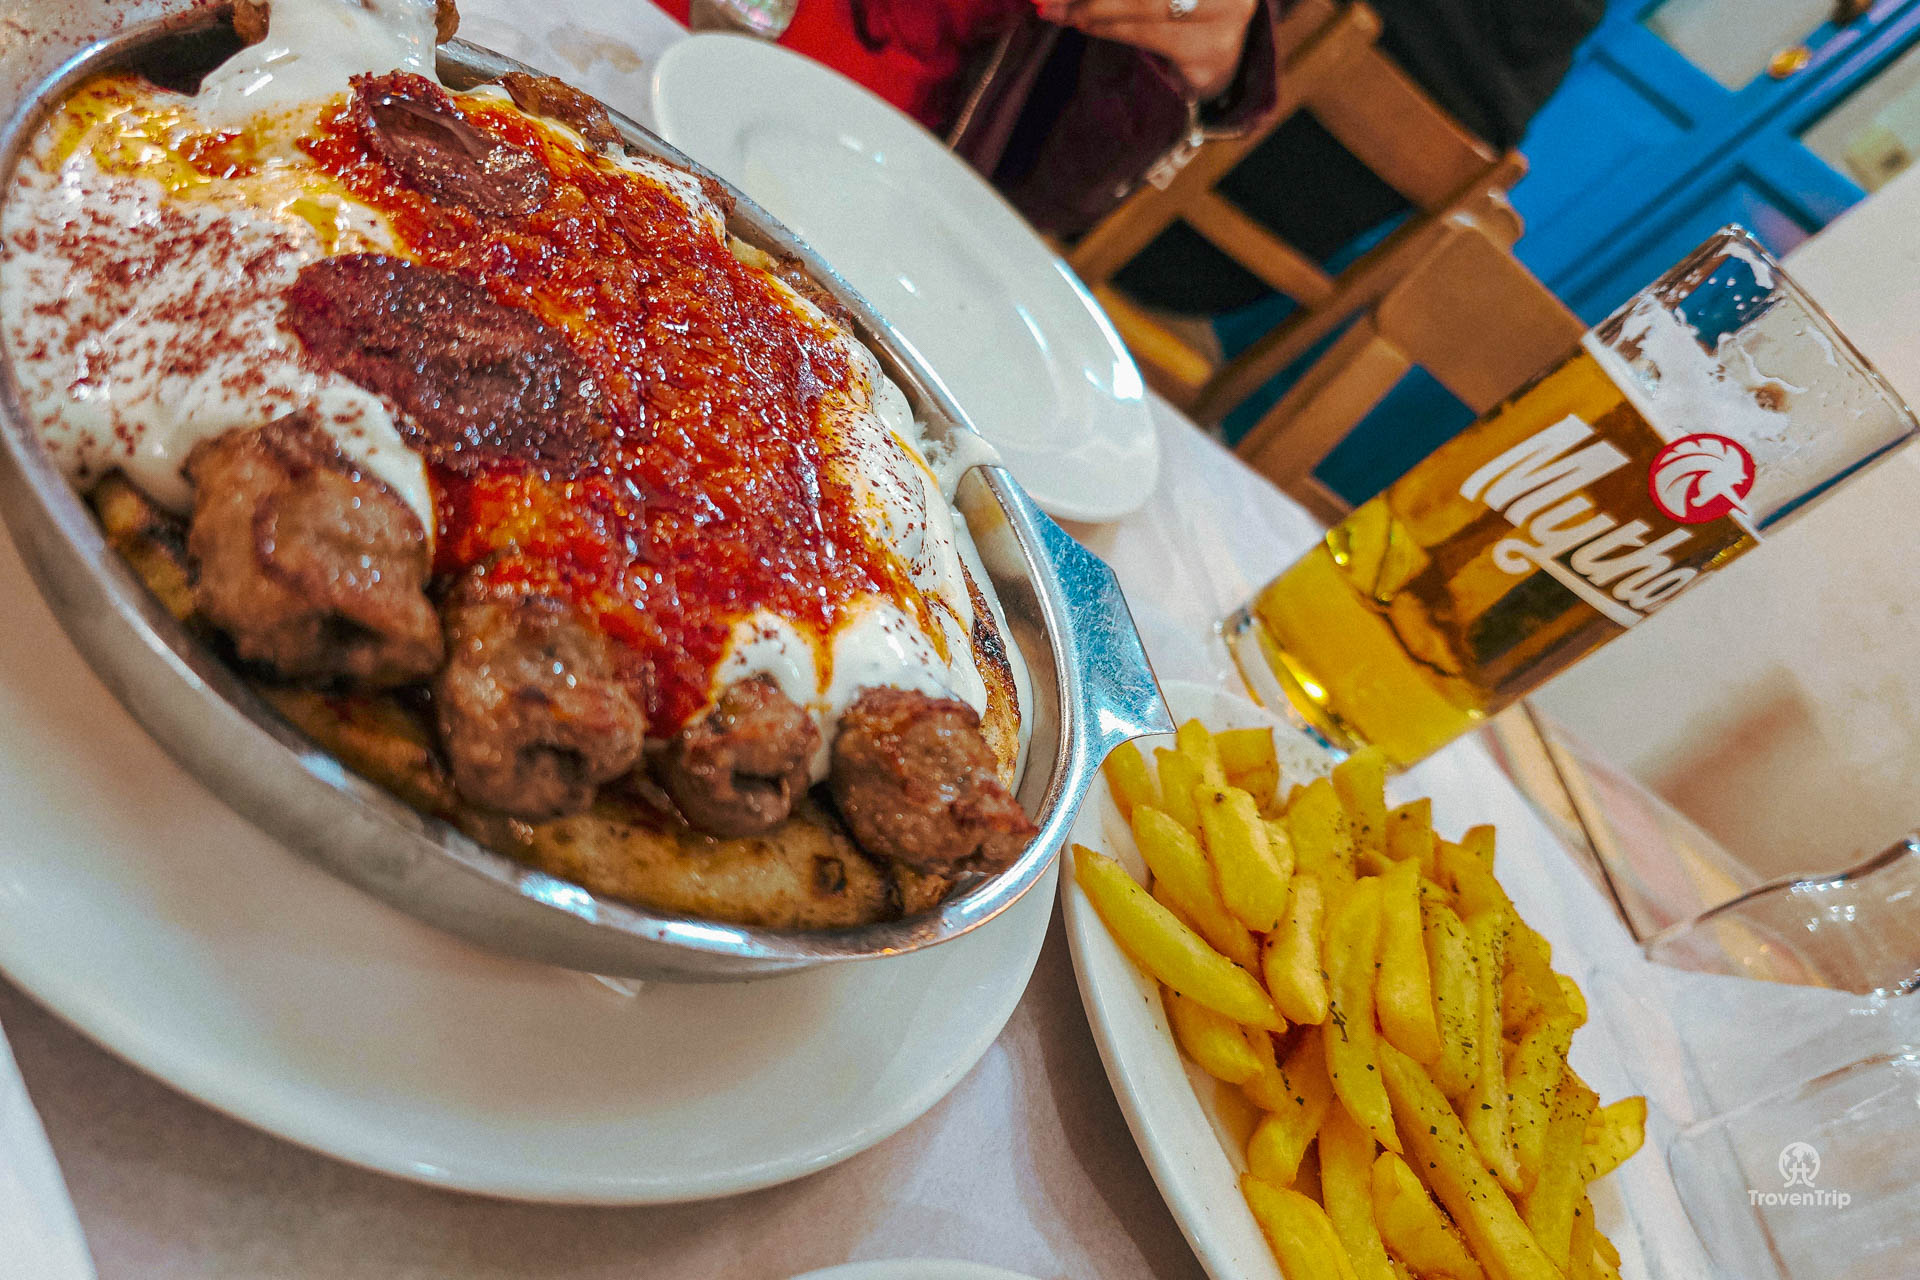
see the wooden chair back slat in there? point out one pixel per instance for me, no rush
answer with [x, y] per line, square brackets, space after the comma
[1391, 125]
[1130, 228]
[1277, 263]
[1468, 313]
[1476, 319]
[1359, 287]
[1330, 65]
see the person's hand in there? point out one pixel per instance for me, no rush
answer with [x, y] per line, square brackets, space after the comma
[1204, 44]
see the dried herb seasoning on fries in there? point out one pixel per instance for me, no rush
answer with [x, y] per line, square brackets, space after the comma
[1370, 989]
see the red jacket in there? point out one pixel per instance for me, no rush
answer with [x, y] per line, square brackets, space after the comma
[914, 53]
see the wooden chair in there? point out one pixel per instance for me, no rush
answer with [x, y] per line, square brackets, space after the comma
[1329, 65]
[1468, 313]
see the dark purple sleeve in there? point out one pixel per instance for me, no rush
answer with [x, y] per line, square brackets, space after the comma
[1067, 125]
[1256, 85]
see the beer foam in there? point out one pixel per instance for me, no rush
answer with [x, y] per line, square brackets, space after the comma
[1682, 388]
[1780, 382]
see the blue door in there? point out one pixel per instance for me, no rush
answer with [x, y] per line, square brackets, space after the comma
[1683, 115]
[1680, 116]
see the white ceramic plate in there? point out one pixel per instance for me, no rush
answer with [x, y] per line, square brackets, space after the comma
[1187, 1140]
[39, 1235]
[141, 909]
[1188, 1129]
[1026, 352]
[913, 1269]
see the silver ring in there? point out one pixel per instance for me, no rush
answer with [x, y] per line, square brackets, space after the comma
[1178, 9]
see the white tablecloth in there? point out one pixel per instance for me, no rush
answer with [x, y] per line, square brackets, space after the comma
[1026, 1165]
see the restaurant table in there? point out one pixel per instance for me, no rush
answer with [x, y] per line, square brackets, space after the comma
[1027, 1164]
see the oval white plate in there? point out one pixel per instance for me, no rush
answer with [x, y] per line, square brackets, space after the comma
[1194, 1146]
[913, 1269]
[137, 906]
[39, 1234]
[1186, 1141]
[1026, 352]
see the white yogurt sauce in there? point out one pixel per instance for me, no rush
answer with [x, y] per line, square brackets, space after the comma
[140, 325]
[873, 445]
[311, 47]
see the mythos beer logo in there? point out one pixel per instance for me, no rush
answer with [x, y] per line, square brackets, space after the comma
[1700, 478]
[1537, 486]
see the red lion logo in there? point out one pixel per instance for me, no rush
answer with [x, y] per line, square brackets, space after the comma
[1701, 477]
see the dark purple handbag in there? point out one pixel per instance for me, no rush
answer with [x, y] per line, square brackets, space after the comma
[1067, 125]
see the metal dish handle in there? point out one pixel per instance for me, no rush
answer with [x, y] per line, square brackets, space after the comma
[1099, 665]
[1117, 697]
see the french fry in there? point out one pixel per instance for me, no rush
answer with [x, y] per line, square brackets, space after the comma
[1410, 834]
[1550, 1203]
[1456, 998]
[1361, 783]
[1233, 942]
[1129, 780]
[1477, 892]
[1298, 1232]
[1165, 899]
[1575, 998]
[1235, 1115]
[1168, 949]
[1289, 1127]
[1174, 856]
[1484, 1107]
[1474, 888]
[1585, 1234]
[1194, 741]
[1290, 955]
[1307, 1180]
[1412, 1226]
[1251, 762]
[1616, 1132]
[1438, 1145]
[1478, 841]
[1346, 1189]
[1178, 778]
[1602, 1247]
[1530, 989]
[1322, 834]
[1210, 1039]
[1351, 951]
[1403, 986]
[1534, 1073]
[1267, 1088]
[1251, 876]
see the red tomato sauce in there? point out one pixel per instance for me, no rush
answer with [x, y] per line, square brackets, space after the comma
[710, 499]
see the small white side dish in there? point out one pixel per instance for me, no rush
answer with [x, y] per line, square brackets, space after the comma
[39, 1235]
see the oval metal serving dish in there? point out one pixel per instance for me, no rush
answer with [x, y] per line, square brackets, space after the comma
[1092, 686]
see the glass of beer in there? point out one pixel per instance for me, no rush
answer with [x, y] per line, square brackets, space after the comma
[1714, 404]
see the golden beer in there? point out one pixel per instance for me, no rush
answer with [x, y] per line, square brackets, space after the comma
[1553, 524]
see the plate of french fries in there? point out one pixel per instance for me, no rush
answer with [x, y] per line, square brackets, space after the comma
[1340, 1049]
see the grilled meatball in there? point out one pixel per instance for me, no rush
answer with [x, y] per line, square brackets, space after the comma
[915, 781]
[250, 20]
[737, 770]
[533, 716]
[312, 567]
[557, 100]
